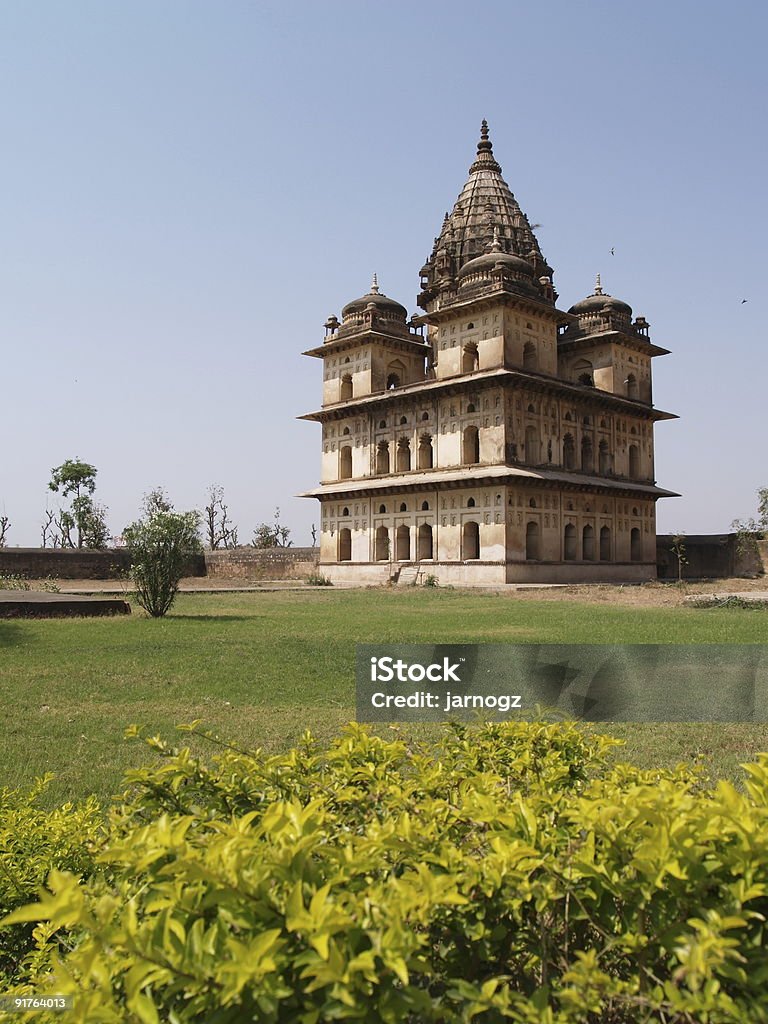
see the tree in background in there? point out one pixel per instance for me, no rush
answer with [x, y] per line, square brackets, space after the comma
[220, 531]
[751, 530]
[5, 526]
[271, 536]
[161, 544]
[77, 480]
[678, 549]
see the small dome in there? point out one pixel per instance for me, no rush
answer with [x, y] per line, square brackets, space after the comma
[378, 301]
[600, 300]
[488, 261]
[495, 254]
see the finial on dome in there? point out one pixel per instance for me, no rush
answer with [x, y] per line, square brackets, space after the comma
[485, 142]
[598, 286]
[496, 244]
[375, 285]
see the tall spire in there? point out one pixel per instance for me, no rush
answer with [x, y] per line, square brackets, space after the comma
[375, 285]
[486, 214]
[598, 286]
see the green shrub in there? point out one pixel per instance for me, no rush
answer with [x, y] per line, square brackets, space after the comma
[33, 842]
[504, 872]
[317, 579]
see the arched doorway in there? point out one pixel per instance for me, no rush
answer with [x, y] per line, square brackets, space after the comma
[570, 551]
[470, 541]
[425, 541]
[403, 544]
[588, 543]
[635, 545]
[471, 446]
[345, 545]
[605, 544]
[345, 462]
[382, 544]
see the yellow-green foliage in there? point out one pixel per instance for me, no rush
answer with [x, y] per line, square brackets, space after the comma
[500, 873]
[32, 843]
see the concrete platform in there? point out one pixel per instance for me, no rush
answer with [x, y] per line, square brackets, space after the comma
[38, 604]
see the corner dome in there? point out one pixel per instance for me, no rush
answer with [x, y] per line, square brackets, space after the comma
[599, 300]
[380, 302]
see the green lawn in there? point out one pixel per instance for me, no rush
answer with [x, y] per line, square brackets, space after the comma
[259, 668]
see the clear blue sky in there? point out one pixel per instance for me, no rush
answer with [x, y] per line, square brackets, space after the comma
[190, 188]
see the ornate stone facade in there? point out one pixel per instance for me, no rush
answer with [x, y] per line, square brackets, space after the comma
[495, 438]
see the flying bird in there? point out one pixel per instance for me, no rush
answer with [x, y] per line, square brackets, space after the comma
[743, 301]
[613, 251]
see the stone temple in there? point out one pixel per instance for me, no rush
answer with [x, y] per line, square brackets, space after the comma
[494, 438]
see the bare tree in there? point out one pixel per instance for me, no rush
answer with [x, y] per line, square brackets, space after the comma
[48, 533]
[5, 526]
[221, 533]
[275, 536]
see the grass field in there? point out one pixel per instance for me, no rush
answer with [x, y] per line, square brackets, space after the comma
[259, 668]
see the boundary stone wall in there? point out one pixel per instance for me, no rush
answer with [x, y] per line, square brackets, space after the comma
[710, 556]
[262, 563]
[74, 564]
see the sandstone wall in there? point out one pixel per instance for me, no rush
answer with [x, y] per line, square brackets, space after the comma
[262, 563]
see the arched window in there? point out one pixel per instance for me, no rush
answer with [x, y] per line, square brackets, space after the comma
[569, 452]
[345, 431]
[425, 506]
[403, 507]
[532, 549]
[425, 416]
[605, 458]
[469, 358]
[588, 544]
[345, 462]
[403, 455]
[382, 457]
[426, 454]
[470, 503]
[530, 357]
[382, 423]
[345, 511]
[470, 541]
[634, 462]
[631, 386]
[395, 374]
[605, 544]
[345, 545]
[346, 387]
[403, 544]
[382, 509]
[403, 420]
[635, 545]
[425, 541]
[570, 546]
[582, 371]
[532, 453]
[382, 544]
[470, 407]
[587, 460]
[471, 446]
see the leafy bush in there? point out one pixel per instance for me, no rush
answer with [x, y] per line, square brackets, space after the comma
[317, 579]
[14, 581]
[32, 843]
[504, 872]
[161, 544]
